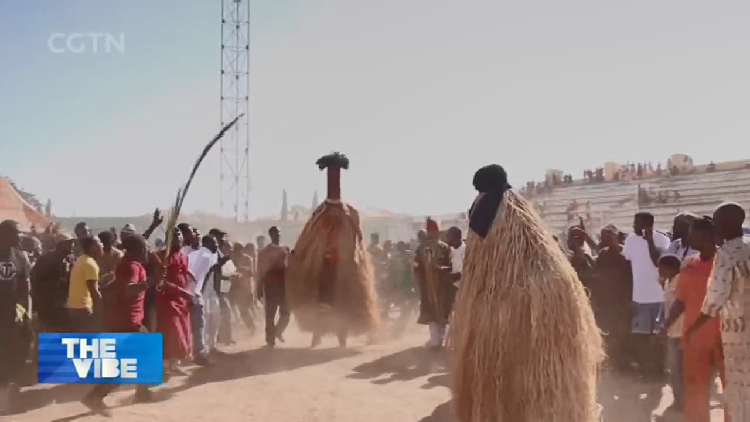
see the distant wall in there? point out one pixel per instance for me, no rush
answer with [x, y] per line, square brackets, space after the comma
[729, 165]
[610, 170]
[553, 173]
[682, 161]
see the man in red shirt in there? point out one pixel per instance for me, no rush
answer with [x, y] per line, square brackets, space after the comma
[124, 311]
[702, 352]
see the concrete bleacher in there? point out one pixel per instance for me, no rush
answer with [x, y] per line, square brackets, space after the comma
[616, 203]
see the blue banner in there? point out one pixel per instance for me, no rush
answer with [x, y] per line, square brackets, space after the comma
[100, 358]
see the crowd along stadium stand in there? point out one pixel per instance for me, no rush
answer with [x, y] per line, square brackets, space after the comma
[617, 202]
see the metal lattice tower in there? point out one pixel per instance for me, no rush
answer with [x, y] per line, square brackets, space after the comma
[235, 99]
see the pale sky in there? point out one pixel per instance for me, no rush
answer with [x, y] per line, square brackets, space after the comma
[419, 94]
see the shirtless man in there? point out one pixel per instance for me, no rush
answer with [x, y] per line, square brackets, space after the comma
[272, 263]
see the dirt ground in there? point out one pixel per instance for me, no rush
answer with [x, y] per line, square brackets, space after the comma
[397, 380]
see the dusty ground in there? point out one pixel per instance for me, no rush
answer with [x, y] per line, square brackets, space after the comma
[393, 381]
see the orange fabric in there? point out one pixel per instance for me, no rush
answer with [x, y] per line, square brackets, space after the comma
[691, 290]
[698, 368]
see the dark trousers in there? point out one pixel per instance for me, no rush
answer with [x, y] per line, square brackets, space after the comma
[100, 391]
[81, 320]
[275, 301]
[55, 320]
[650, 352]
[617, 338]
[15, 346]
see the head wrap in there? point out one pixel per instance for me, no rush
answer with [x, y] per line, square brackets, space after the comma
[129, 228]
[432, 225]
[491, 182]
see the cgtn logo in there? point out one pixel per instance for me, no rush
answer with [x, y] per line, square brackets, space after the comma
[95, 358]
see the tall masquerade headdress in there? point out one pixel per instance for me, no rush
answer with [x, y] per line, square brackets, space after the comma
[333, 163]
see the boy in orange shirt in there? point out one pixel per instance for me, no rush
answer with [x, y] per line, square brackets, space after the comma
[703, 351]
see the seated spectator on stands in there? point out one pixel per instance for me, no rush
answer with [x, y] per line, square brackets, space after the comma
[531, 188]
[644, 198]
[571, 210]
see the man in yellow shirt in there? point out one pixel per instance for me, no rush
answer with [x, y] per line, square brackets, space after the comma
[83, 294]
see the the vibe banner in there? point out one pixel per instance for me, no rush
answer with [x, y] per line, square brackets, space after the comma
[100, 358]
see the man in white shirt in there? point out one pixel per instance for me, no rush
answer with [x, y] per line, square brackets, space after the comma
[200, 263]
[643, 248]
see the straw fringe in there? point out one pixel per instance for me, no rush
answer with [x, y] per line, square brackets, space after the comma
[355, 298]
[525, 346]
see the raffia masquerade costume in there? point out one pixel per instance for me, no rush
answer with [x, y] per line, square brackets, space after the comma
[330, 280]
[525, 346]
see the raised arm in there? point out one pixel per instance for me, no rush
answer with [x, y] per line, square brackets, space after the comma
[155, 222]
